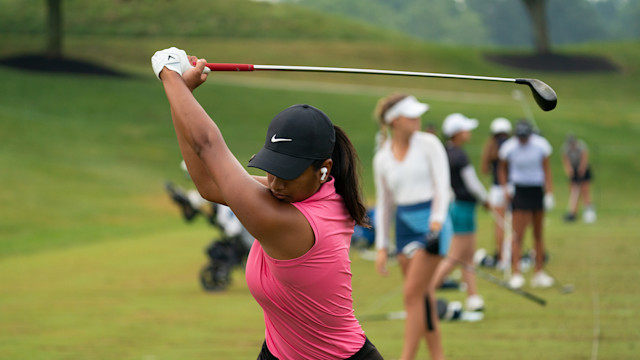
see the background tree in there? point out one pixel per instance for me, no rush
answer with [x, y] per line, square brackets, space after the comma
[624, 17]
[504, 23]
[54, 29]
[441, 21]
[537, 10]
[563, 15]
[536, 23]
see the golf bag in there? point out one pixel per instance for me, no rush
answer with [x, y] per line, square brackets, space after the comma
[364, 237]
[224, 255]
[225, 252]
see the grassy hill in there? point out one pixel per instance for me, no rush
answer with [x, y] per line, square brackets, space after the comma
[95, 261]
[120, 123]
[217, 18]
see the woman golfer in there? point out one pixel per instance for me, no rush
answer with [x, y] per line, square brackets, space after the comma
[302, 215]
[575, 161]
[468, 192]
[412, 184]
[525, 157]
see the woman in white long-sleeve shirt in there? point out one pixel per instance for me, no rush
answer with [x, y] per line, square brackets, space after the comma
[413, 187]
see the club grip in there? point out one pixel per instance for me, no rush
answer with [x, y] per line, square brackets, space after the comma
[229, 67]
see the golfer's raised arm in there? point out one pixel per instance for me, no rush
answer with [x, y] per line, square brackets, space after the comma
[198, 172]
[198, 137]
[261, 213]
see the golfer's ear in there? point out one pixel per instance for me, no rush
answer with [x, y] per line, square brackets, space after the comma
[328, 164]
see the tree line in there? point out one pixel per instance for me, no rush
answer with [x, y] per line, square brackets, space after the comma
[539, 23]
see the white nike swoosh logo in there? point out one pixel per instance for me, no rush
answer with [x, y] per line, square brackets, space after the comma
[275, 139]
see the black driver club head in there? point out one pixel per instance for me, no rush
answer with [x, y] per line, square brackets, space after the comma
[544, 95]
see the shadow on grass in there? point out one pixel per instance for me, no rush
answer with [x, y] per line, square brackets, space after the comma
[41, 63]
[555, 62]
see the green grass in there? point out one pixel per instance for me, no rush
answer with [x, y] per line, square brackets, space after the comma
[95, 261]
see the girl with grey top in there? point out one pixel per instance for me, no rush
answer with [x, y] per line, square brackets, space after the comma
[575, 160]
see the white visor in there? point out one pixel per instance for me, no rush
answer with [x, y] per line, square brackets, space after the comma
[500, 125]
[456, 122]
[408, 107]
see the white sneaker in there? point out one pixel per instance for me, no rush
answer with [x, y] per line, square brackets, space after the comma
[516, 281]
[589, 216]
[478, 256]
[474, 303]
[472, 316]
[454, 311]
[541, 280]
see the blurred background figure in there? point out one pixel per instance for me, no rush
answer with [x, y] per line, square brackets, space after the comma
[526, 156]
[575, 160]
[411, 173]
[430, 128]
[468, 191]
[500, 131]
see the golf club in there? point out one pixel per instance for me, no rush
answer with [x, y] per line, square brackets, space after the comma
[563, 288]
[544, 95]
[504, 222]
[519, 96]
[502, 284]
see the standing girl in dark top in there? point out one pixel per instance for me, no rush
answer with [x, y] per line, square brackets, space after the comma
[468, 191]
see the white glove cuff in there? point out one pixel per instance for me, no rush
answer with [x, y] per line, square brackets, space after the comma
[172, 58]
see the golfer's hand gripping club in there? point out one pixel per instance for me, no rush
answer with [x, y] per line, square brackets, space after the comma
[433, 241]
[173, 59]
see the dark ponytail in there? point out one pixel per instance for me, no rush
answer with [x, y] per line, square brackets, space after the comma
[346, 172]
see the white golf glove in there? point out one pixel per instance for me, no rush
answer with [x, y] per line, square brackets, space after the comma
[549, 202]
[171, 58]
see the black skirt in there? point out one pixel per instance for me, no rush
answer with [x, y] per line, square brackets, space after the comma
[367, 352]
[580, 179]
[528, 198]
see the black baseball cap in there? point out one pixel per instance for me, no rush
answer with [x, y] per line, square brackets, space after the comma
[523, 128]
[296, 137]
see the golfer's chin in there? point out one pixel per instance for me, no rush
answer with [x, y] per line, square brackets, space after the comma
[282, 197]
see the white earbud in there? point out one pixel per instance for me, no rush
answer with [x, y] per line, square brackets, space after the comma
[323, 170]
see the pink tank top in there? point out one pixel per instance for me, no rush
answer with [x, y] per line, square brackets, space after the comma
[307, 301]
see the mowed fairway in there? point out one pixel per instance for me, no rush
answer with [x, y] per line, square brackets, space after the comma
[96, 263]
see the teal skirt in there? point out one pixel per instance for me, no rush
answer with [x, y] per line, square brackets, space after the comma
[412, 227]
[463, 215]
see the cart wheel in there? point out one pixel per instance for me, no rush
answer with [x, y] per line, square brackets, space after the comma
[215, 277]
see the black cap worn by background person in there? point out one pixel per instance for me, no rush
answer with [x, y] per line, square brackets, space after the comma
[296, 137]
[523, 128]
